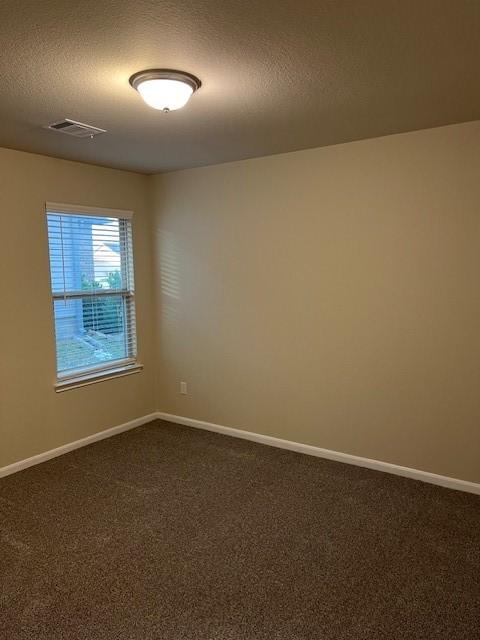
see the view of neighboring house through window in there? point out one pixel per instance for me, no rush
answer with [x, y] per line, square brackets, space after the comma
[92, 289]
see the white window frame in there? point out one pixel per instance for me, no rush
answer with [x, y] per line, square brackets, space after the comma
[116, 368]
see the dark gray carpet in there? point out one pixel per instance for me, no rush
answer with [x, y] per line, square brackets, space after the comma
[171, 533]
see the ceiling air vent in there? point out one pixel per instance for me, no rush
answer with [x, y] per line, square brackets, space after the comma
[77, 129]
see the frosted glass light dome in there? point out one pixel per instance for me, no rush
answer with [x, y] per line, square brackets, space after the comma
[164, 89]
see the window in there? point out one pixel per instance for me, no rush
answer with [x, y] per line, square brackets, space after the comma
[91, 267]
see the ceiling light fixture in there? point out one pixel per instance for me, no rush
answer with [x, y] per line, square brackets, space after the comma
[165, 89]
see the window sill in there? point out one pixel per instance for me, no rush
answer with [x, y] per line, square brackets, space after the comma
[99, 376]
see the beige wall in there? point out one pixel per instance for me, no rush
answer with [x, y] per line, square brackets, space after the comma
[33, 418]
[327, 296]
[330, 297]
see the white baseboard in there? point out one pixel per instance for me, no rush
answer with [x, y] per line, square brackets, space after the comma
[378, 465]
[386, 467]
[53, 453]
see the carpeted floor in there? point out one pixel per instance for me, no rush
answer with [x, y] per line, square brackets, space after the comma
[170, 533]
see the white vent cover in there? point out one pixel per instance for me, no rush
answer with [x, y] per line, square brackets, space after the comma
[77, 129]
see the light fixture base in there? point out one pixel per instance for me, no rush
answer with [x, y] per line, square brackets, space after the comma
[165, 74]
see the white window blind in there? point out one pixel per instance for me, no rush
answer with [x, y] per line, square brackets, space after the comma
[91, 266]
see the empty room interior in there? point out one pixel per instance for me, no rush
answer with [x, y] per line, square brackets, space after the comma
[240, 320]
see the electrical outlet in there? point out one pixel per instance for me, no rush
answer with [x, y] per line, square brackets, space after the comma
[183, 388]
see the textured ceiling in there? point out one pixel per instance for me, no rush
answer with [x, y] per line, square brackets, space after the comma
[278, 75]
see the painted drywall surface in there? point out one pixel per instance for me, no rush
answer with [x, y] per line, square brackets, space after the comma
[329, 297]
[33, 418]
